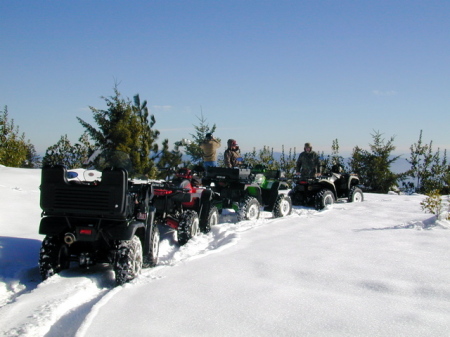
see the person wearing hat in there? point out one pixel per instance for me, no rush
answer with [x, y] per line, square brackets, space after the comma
[209, 147]
[308, 164]
[232, 156]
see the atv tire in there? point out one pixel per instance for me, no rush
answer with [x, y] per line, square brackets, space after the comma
[212, 219]
[53, 257]
[151, 259]
[323, 199]
[188, 227]
[355, 194]
[283, 206]
[249, 210]
[128, 262]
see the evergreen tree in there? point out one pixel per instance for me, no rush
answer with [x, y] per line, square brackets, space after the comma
[15, 151]
[192, 148]
[288, 163]
[263, 157]
[146, 147]
[420, 161]
[446, 189]
[427, 168]
[126, 127]
[71, 156]
[435, 180]
[334, 159]
[33, 160]
[169, 160]
[373, 166]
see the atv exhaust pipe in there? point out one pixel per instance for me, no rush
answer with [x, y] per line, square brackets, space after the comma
[69, 238]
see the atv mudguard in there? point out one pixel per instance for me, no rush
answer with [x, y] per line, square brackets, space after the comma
[271, 194]
[353, 180]
[254, 191]
[111, 229]
[325, 183]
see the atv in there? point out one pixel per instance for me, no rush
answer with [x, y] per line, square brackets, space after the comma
[109, 220]
[246, 191]
[201, 196]
[326, 189]
[274, 190]
[169, 202]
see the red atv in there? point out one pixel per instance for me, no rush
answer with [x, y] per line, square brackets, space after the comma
[184, 205]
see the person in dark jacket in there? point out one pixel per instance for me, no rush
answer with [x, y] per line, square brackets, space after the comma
[308, 164]
[209, 147]
[232, 156]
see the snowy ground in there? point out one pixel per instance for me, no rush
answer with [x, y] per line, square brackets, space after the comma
[377, 268]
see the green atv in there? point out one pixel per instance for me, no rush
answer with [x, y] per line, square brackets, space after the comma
[274, 190]
[246, 191]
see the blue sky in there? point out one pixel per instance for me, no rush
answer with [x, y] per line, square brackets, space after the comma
[268, 73]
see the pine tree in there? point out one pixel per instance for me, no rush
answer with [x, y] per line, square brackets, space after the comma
[263, 157]
[15, 151]
[146, 148]
[192, 148]
[373, 166]
[169, 160]
[427, 168]
[420, 161]
[288, 163]
[333, 160]
[33, 160]
[126, 127]
[435, 180]
[64, 153]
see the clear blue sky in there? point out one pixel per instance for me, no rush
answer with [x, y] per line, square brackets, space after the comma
[265, 72]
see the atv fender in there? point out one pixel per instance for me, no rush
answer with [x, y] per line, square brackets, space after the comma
[330, 186]
[272, 194]
[54, 225]
[124, 230]
[352, 181]
[254, 191]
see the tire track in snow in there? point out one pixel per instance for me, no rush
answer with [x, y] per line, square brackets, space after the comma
[38, 312]
[75, 299]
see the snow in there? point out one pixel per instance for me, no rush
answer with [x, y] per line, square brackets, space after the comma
[376, 268]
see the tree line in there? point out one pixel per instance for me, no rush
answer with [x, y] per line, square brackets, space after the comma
[128, 126]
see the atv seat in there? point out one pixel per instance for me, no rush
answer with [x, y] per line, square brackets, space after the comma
[105, 199]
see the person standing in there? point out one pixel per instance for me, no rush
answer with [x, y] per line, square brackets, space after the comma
[232, 156]
[209, 147]
[308, 164]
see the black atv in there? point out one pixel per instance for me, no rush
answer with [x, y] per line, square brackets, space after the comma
[246, 191]
[325, 190]
[109, 220]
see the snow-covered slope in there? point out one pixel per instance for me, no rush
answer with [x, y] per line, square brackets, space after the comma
[377, 268]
